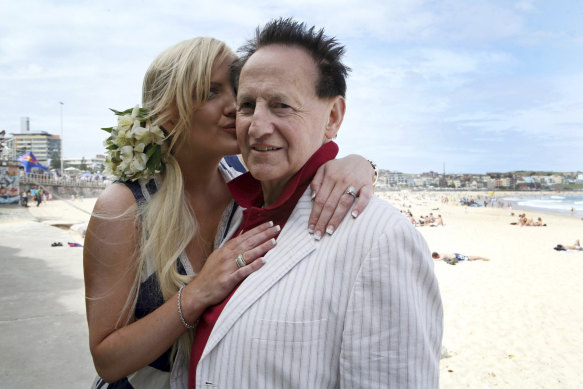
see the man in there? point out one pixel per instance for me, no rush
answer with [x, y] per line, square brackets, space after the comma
[357, 309]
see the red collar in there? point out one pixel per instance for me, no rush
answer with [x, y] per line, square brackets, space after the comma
[247, 191]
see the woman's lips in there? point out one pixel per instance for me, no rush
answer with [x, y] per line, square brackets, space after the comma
[230, 129]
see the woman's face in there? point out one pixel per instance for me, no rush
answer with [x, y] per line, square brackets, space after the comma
[213, 124]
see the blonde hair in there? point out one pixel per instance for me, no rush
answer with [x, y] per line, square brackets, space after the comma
[175, 85]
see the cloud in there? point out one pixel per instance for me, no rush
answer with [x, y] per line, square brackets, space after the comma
[465, 83]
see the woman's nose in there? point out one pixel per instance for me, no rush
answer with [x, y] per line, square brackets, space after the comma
[230, 108]
[230, 104]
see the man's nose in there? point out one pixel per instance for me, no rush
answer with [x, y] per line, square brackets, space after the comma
[261, 124]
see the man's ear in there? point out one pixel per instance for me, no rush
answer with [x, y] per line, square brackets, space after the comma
[337, 110]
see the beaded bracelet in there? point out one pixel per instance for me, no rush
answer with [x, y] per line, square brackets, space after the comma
[180, 311]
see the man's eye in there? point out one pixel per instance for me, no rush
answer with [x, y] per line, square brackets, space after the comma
[280, 106]
[246, 107]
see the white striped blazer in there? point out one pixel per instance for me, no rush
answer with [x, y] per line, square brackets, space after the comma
[358, 309]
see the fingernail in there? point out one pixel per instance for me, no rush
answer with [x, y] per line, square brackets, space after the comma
[330, 230]
[277, 228]
[354, 214]
[270, 223]
[272, 241]
[318, 235]
[311, 228]
[313, 195]
[263, 260]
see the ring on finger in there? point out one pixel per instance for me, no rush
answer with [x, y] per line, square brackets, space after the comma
[240, 260]
[351, 190]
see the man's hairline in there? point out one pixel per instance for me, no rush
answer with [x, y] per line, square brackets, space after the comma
[290, 45]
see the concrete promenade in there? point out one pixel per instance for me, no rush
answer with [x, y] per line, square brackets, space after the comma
[43, 330]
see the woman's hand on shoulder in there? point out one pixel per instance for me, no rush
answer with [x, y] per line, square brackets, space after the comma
[329, 191]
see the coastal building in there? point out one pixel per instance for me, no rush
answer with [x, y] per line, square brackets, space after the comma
[42, 144]
[83, 164]
[557, 179]
[396, 178]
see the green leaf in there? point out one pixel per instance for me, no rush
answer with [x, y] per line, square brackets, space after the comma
[121, 113]
[111, 147]
[155, 160]
[108, 129]
[150, 149]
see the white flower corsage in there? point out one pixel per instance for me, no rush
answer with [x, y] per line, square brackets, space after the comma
[134, 148]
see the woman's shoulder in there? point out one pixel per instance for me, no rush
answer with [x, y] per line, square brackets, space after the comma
[116, 198]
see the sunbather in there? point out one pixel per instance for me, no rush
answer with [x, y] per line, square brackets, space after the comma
[453, 258]
[565, 247]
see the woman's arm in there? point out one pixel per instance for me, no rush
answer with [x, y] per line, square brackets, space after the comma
[330, 184]
[110, 269]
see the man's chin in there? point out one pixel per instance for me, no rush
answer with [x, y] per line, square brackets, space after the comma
[264, 172]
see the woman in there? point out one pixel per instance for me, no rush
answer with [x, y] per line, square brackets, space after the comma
[155, 257]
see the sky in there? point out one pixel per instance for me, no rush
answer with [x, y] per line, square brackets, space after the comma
[456, 85]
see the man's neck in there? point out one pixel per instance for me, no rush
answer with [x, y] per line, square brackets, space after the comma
[272, 190]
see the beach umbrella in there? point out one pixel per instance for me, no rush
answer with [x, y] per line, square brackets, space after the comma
[28, 161]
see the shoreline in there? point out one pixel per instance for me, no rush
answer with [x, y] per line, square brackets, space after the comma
[503, 196]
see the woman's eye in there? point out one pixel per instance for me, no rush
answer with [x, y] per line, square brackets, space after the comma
[213, 92]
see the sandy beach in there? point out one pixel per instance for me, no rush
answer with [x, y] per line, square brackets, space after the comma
[513, 322]
[517, 320]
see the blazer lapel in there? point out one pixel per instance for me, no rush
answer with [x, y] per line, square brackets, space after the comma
[293, 244]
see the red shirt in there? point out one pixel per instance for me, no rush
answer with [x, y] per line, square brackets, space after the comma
[247, 192]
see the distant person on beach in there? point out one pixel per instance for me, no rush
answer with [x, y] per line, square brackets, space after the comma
[453, 258]
[153, 253]
[437, 222]
[38, 196]
[565, 247]
[24, 199]
[529, 222]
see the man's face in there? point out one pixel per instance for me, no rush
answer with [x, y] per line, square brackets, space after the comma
[280, 120]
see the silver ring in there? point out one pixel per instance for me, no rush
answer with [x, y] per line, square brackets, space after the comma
[240, 261]
[351, 190]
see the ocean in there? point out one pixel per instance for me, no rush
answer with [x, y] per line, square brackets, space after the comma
[559, 204]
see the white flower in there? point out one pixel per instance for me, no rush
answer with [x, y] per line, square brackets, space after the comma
[139, 148]
[139, 162]
[125, 122]
[122, 138]
[126, 152]
[140, 134]
[126, 158]
[157, 135]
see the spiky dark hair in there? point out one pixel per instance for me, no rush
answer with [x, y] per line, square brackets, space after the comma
[326, 52]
